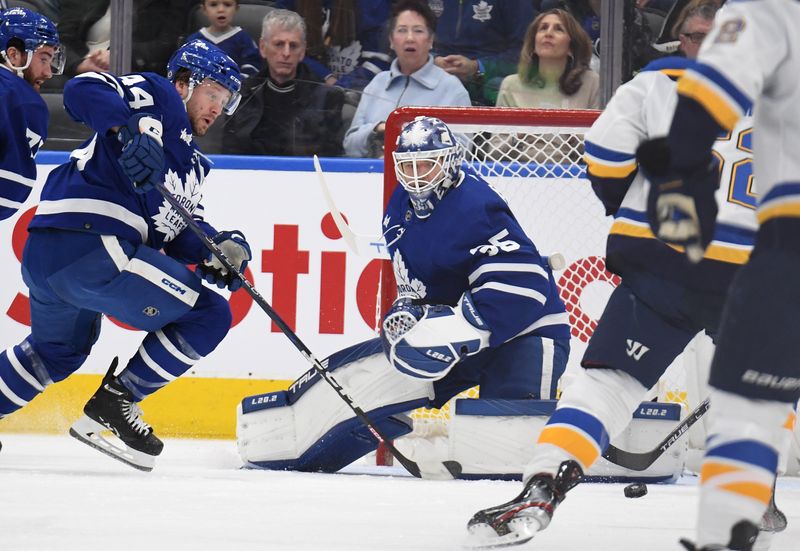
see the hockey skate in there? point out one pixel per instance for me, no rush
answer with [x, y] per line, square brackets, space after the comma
[743, 536]
[112, 409]
[517, 521]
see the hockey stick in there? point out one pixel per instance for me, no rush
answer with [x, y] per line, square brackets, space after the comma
[640, 461]
[436, 471]
[359, 244]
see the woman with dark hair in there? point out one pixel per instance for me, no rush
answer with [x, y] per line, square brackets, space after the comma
[554, 68]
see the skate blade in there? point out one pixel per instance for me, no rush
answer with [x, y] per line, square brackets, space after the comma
[90, 432]
[483, 536]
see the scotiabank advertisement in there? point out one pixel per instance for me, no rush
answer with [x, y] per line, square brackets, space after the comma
[303, 268]
[300, 265]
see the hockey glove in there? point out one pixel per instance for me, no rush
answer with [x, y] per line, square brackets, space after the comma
[142, 158]
[681, 208]
[235, 248]
[425, 342]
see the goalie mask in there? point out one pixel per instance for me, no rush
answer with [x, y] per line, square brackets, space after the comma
[427, 162]
[203, 61]
[33, 30]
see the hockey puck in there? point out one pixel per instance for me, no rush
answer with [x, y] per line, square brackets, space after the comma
[637, 489]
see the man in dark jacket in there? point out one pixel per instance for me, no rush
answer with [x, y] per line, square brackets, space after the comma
[285, 109]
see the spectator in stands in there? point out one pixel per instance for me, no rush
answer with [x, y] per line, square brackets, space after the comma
[693, 24]
[479, 42]
[285, 109]
[232, 40]
[553, 71]
[346, 39]
[412, 79]
[85, 30]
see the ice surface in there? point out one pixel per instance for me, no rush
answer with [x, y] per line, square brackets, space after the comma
[58, 494]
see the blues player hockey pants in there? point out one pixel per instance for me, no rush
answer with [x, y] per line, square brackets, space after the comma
[74, 278]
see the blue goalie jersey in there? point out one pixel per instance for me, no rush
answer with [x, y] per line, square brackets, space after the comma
[472, 242]
[23, 120]
[91, 193]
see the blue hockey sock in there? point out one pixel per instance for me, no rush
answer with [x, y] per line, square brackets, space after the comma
[163, 357]
[18, 384]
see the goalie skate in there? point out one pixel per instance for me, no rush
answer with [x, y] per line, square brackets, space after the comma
[517, 521]
[112, 424]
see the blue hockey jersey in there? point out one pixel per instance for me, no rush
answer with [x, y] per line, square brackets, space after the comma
[472, 242]
[23, 124]
[91, 193]
[239, 46]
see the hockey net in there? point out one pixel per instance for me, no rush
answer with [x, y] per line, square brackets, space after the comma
[534, 158]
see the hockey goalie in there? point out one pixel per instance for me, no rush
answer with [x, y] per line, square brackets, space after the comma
[477, 305]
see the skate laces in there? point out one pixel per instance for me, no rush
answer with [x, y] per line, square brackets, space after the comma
[133, 415]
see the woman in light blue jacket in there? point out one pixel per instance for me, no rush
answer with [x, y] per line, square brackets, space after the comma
[412, 79]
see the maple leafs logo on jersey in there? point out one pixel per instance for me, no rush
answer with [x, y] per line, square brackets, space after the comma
[344, 60]
[406, 286]
[483, 11]
[187, 192]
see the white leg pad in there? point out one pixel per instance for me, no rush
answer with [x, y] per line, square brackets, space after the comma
[283, 426]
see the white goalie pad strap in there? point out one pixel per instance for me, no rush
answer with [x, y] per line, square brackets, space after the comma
[286, 431]
[443, 336]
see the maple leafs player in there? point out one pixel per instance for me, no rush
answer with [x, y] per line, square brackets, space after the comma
[30, 54]
[95, 246]
[662, 302]
[477, 303]
[750, 58]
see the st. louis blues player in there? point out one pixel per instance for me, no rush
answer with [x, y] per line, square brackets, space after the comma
[750, 59]
[477, 305]
[95, 246]
[30, 54]
[662, 302]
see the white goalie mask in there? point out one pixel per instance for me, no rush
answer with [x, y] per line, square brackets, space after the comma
[427, 162]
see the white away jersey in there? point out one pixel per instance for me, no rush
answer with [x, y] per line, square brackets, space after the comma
[641, 109]
[752, 54]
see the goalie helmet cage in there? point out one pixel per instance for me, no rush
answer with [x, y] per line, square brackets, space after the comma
[534, 158]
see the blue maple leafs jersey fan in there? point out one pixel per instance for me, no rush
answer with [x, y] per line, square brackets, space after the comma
[91, 193]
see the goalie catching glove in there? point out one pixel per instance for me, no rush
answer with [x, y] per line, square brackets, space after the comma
[235, 248]
[681, 209]
[142, 158]
[425, 342]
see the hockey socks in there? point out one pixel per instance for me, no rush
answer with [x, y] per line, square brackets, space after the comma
[574, 433]
[162, 357]
[18, 384]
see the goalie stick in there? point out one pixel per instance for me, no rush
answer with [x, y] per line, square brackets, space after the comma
[359, 244]
[640, 461]
[434, 470]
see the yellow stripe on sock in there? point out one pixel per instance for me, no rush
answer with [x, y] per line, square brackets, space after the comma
[754, 490]
[572, 442]
[710, 470]
[791, 419]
